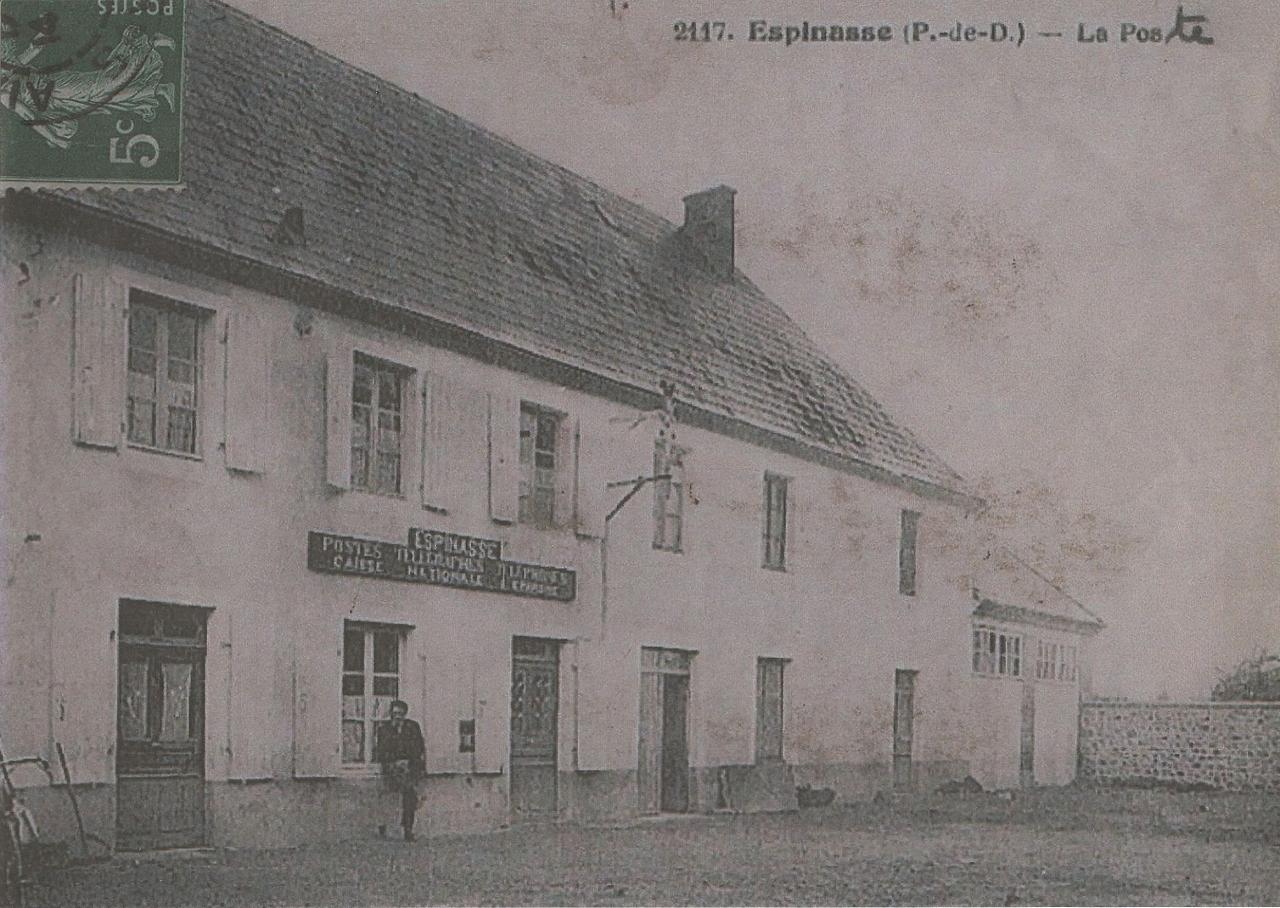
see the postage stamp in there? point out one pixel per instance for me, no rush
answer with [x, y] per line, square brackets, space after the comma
[93, 93]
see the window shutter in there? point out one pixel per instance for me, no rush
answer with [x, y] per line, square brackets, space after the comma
[795, 523]
[592, 501]
[337, 400]
[100, 310]
[247, 393]
[566, 471]
[492, 703]
[250, 665]
[317, 705]
[455, 436]
[504, 458]
[608, 707]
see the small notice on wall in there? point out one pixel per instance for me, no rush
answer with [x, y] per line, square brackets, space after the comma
[445, 560]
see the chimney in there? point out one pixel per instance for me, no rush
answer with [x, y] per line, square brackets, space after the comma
[708, 228]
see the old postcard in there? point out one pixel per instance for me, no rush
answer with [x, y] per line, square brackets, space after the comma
[639, 452]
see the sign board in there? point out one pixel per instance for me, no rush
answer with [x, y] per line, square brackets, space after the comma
[440, 559]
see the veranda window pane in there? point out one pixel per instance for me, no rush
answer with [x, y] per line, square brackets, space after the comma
[353, 685]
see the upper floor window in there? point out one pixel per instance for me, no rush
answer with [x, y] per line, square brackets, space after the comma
[907, 553]
[164, 372]
[539, 461]
[997, 652]
[1055, 662]
[775, 521]
[668, 498]
[377, 395]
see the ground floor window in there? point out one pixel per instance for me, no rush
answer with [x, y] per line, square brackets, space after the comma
[769, 710]
[1055, 662]
[997, 652]
[370, 682]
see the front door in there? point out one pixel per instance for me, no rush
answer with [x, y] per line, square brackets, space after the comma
[535, 669]
[904, 711]
[663, 778]
[160, 727]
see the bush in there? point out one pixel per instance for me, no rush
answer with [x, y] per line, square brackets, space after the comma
[1253, 679]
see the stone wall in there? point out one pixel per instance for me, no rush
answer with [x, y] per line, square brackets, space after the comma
[1232, 746]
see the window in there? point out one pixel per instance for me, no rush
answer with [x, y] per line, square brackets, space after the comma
[164, 372]
[539, 461]
[1055, 662]
[769, 710]
[996, 652]
[907, 553]
[370, 682]
[668, 498]
[377, 393]
[775, 521]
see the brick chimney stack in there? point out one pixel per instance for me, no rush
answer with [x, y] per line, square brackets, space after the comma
[708, 228]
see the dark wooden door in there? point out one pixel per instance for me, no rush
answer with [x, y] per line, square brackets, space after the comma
[904, 693]
[535, 669]
[160, 727]
[675, 743]
[1027, 740]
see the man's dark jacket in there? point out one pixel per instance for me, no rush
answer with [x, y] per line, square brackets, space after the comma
[391, 745]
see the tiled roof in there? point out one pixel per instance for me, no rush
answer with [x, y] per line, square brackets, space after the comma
[412, 206]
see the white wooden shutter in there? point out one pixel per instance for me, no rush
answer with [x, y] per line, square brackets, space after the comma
[592, 500]
[100, 312]
[504, 458]
[337, 401]
[492, 672]
[250, 664]
[455, 436]
[317, 704]
[795, 542]
[245, 422]
[566, 470]
[608, 706]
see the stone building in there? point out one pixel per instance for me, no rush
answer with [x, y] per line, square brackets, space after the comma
[375, 408]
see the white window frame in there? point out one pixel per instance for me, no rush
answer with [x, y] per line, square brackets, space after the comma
[375, 705]
[996, 652]
[165, 301]
[529, 470]
[1056, 661]
[402, 376]
[668, 499]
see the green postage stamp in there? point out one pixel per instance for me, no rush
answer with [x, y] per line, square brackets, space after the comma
[93, 93]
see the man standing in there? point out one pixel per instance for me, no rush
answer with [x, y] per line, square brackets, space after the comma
[399, 747]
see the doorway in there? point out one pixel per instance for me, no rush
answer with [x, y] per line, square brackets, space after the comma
[663, 776]
[904, 713]
[160, 727]
[1027, 740]
[535, 695]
